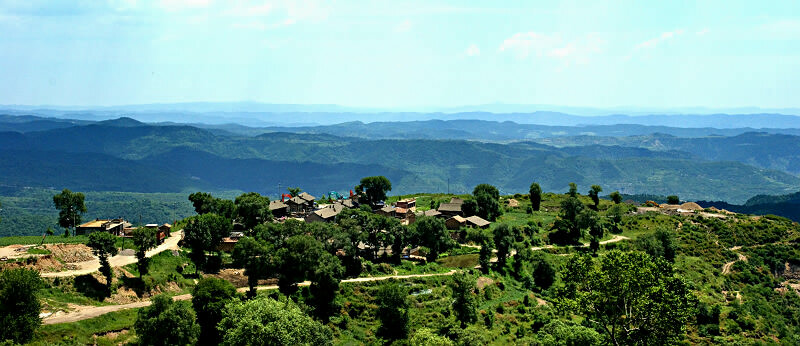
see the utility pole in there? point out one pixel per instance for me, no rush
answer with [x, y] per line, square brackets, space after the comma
[448, 185]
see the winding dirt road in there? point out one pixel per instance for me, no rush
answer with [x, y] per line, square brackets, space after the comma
[726, 268]
[86, 312]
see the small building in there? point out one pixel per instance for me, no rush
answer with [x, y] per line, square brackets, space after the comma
[450, 209]
[387, 211]
[477, 221]
[278, 209]
[347, 203]
[455, 222]
[408, 203]
[430, 213]
[308, 198]
[327, 214]
[456, 200]
[113, 226]
[162, 231]
[298, 205]
[229, 242]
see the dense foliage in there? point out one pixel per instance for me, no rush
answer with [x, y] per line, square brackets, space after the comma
[167, 322]
[19, 304]
[265, 321]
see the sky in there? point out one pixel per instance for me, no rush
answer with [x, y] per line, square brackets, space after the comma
[397, 54]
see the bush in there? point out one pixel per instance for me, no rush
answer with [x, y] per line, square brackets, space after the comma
[167, 322]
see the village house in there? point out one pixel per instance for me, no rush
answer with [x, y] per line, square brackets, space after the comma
[430, 213]
[450, 209]
[326, 214]
[163, 230]
[113, 226]
[387, 211]
[229, 242]
[408, 203]
[477, 221]
[299, 205]
[278, 209]
[455, 223]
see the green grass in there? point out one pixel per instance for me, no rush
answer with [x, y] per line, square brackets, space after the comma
[162, 269]
[83, 332]
[38, 251]
[459, 261]
[35, 239]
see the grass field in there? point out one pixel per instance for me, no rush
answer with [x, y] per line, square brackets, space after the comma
[109, 329]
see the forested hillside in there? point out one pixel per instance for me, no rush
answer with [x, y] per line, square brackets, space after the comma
[696, 277]
[126, 155]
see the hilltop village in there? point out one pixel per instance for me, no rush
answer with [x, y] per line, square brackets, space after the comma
[472, 269]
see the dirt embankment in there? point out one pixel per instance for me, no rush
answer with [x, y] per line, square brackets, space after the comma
[70, 253]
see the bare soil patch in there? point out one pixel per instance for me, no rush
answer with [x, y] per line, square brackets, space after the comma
[484, 281]
[71, 253]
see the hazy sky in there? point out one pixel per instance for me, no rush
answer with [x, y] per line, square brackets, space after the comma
[402, 53]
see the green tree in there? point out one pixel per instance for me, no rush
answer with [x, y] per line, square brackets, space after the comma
[589, 220]
[616, 197]
[594, 193]
[432, 233]
[254, 257]
[485, 240]
[522, 259]
[103, 245]
[673, 199]
[544, 272]
[297, 260]
[660, 244]
[204, 233]
[560, 333]
[470, 207]
[392, 299]
[536, 196]
[374, 188]
[614, 215]
[401, 237]
[573, 190]
[294, 191]
[426, 336]
[325, 285]
[19, 304]
[166, 322]
[487, 198]
[252, 209]
[465, 302]
[504, 239]
[632, 298]
[265, 321]
[204, 203]
[70, 208]
[209, 299]
[144, 239]
[569, 230]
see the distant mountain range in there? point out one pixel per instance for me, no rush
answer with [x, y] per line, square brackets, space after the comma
[262, 114]
[127, 155]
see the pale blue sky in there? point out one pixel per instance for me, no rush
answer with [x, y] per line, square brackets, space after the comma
[402, 53]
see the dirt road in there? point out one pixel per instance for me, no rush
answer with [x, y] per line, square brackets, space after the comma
[726, 268]
[86, 312]
[88, 267]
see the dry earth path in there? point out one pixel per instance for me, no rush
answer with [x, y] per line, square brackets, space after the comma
[613, 239]
[85, 312]
[91, 266]
[726, 268]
